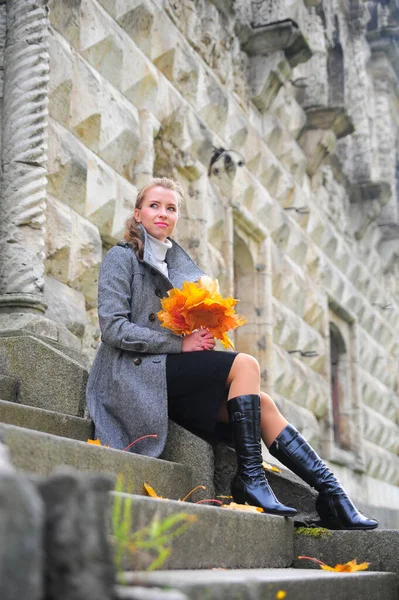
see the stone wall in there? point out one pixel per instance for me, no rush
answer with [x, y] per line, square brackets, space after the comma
[297, 216]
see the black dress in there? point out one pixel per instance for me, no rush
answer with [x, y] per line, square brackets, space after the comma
[196, 384]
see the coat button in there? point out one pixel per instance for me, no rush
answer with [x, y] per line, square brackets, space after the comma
[154, 272]
[152, 317]
[158, 293]
[137, 361]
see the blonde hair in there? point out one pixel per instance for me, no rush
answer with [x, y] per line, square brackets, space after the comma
[132, 233]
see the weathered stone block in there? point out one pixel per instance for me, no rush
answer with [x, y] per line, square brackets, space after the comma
[102, 42]
[59, 383]
[86, 104]
[140, 79]
[267, 75]
[47, 421]
[284, 35]
[78, 557]
[179, 65]
[137, 21]
[41, 452]
[21, 531]
[8, 388]
[67, 22]
[74, 250]
[65, 305]
[212, 101]
[141, 592]
[120, 133]
[211, 541]
[186, 448]
[61, 76]
[67, 168]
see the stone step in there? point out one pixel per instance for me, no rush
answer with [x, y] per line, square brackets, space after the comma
[379, 547]
[182, 446]
[40, 453]
[264, 584]
[220, 537]
[47, 421]
[58, 382]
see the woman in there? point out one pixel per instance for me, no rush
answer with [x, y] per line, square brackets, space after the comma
[142, 373]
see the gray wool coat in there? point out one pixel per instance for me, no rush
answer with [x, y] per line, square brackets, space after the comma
[126, 390]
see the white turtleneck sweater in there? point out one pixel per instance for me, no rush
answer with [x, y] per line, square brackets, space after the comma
[159, 250]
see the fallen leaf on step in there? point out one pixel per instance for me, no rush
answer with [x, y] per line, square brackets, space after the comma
[269, 467]
[349, 567]
[246, 507]
[97, 443]
[150, 491]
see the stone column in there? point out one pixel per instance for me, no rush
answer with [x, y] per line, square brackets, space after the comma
[24, 157]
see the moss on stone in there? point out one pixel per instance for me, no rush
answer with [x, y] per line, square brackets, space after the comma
[316, 532]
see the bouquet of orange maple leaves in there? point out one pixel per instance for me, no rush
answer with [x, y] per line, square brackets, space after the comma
[200, 305]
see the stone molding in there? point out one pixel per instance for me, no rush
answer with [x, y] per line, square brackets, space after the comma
[283, 35]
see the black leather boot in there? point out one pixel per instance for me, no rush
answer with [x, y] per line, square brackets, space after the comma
[333, 505]
[250, 483]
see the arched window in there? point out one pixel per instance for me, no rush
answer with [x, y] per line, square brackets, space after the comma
[335, 70]
[246, 291]
[340, 389]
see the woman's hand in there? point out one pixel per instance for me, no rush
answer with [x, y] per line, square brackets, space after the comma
[197, 341]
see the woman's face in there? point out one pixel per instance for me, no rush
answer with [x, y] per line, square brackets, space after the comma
[158, 213]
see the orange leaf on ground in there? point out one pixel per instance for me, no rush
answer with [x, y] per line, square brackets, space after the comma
[269, 467]
[150, 491]
[97, 443]
[349, 567]
[246, 507]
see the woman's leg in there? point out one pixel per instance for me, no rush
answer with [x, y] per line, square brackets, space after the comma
[244, 378]
[287, 445]
[244, 414]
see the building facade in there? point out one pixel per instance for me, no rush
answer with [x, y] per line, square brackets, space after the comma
[281, 120]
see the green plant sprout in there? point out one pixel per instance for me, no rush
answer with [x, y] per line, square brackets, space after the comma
[153, 539]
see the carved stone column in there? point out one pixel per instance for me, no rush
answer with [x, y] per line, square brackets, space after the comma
[24, 156]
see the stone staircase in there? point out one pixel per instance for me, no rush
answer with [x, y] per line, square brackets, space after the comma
[224, 553]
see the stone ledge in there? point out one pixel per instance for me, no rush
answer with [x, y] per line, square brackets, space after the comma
[46, 421]
[46, 376]
[221, 538]
[258, 584]
[40, 453]
[379, 547]
[283, 35]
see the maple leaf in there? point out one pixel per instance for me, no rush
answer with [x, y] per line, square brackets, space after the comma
[246, 507]
[200, 305]
[209, 284]
[349, 567]
[150, 490]
[269, 467]
[97, 443]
